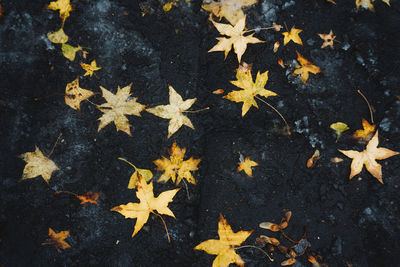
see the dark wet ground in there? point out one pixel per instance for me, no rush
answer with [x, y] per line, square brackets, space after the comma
[347, 222]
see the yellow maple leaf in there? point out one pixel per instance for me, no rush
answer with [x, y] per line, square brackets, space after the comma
[148, 203]
[37, 164]
[246, 165]
[58, 239]
[292, 35]
[174, 111]
[367, 130]
[224, 247]
[230, 9]
[367, 4]
[58, 37]
[237, 38]
[74, 95]
[70, 51]
[64, 7]
[177, 166]
[90, 68]
[368, 158]
[117, 106]
[250, 89]
[328, 39]
[305, 68]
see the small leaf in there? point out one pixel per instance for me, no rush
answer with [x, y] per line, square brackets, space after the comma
[339, 128]
[69, 51]
[58, 37]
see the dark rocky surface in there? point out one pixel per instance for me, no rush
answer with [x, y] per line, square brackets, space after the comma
[355, 222]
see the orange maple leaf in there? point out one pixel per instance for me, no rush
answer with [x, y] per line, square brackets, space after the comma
[366, 132]
[245, 165]
[224, 247]
[292, 35]
[328, 39]
[89, 197]
[58, 239]
[368, 158]
[305, 68]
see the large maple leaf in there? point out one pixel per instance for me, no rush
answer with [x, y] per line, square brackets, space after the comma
[368, 158]
[230, 9]
[250, 89]
[224, 247]
[37, 164]
[117, 107]
[177, 166]
[174, 111]
[148, 203]
[237, 38]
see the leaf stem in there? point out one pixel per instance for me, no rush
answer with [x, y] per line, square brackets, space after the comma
[127, 162]
[272, 107]
[187, 189]
[196, 111]
[287, 237]
[54, 146]
[369, 106]
[66, 192]
[250, 246]
[259, 29]
[165, 226]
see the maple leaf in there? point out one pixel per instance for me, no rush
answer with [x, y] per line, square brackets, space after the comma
[367, 130]
[176, 165]
[328, 39]
[58, 37]
[37, 164]
[367, 4]
[305, 68]
[245, 165]
[250, 89]
[230, 9]
[64, 7]
[368, 158]
[148, 203]
[174, 111]
[90, 68]
[292, 35]
[237, 38]
[74, 95]
[70, 51]
[117, 107]
[224, 247]
[89, 197]
[58, 239]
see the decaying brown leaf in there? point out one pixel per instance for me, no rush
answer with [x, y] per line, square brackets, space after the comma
[89, 197]
[245, 165]
[237, 39]
[328, 39]
[38, 164]
[64, 7]
[366, 132]
[313, 160]
[292, 35]
[117, 106]
[174, 111]
[277, 227]
[58, 239]
[305, 68]
[148, 204]
[224, 247]
[176, 165]
[250, 89]
[74, 95]
[368, 158]
[90, 68]
[230, 9]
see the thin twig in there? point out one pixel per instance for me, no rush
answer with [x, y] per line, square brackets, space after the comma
[259, 29]
[52, 149]
[91, 102]
[287, 237]
[369, 106]
[165, 226]
[284, 23]
[262, 100]
[250, 246]
[187, 189]
[66, 192]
